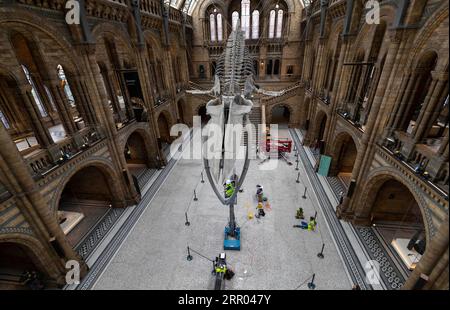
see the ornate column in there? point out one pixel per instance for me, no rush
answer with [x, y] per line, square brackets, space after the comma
[62, 107]
[386, 76]
[433, 98]
[105, 117]
[404, 90]
[40, 130]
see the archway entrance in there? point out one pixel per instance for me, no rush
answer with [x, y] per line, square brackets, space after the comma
[16, 262]
[204, 117]
[181, 111]
[136, 154]
[345, 153]
[280, 115]
[321, 127]
[164, 132]
[318, 143]
[396, 216]
[86, 198]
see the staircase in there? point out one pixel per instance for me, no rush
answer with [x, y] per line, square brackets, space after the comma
[289, 92]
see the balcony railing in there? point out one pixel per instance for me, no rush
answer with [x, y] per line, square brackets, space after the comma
[412, 170]
[41, 161]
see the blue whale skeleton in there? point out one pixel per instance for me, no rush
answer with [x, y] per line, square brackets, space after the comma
[233, 85]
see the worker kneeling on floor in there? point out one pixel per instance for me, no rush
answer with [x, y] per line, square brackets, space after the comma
[260, 209]
[220, 266]
[311, 225]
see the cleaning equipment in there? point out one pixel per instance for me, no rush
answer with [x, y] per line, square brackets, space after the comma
[299, 215]
[260, 209]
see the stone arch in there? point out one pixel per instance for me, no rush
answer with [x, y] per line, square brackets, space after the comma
[35, 252]
[152, 40]
[85, 196]
[11, 16]
[284, 117]
[109, 171]
[320, 124]
[137, 147]
[370, 189]
[344, 151]
[426, 32]
[164, 122]
[107, 28]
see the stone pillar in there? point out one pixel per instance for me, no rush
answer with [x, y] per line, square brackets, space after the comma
[387, 74]
[148, 101]
[62, 107]
[444, 145]
[404, 91]
[406, 102]
[432, 100]
[344, 76]
[84, 91]
[40, 130]
[434, 251]
[321, 66]
[104, 114]
[438, 271]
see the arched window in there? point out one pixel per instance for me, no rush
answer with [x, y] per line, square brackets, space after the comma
[234, 19]
[65, 85]
[271, 24]
[212, 27]
[219, 28]
[4, 120]
[34, 93]
[279, 23]
[255, 24]
[245, 16]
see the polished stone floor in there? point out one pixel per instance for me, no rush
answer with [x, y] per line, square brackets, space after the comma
[274, 254]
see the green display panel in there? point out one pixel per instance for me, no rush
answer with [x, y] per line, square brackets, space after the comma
[324, 167]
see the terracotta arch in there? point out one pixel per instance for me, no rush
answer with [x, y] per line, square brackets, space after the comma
[282, 105]
[426, 32]
[164, 122]
[38, 255]
[10, 16]
[145, 148]
[344, 151]
[370, 189]
[106, 167]
[320, 125]
[108, 29]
